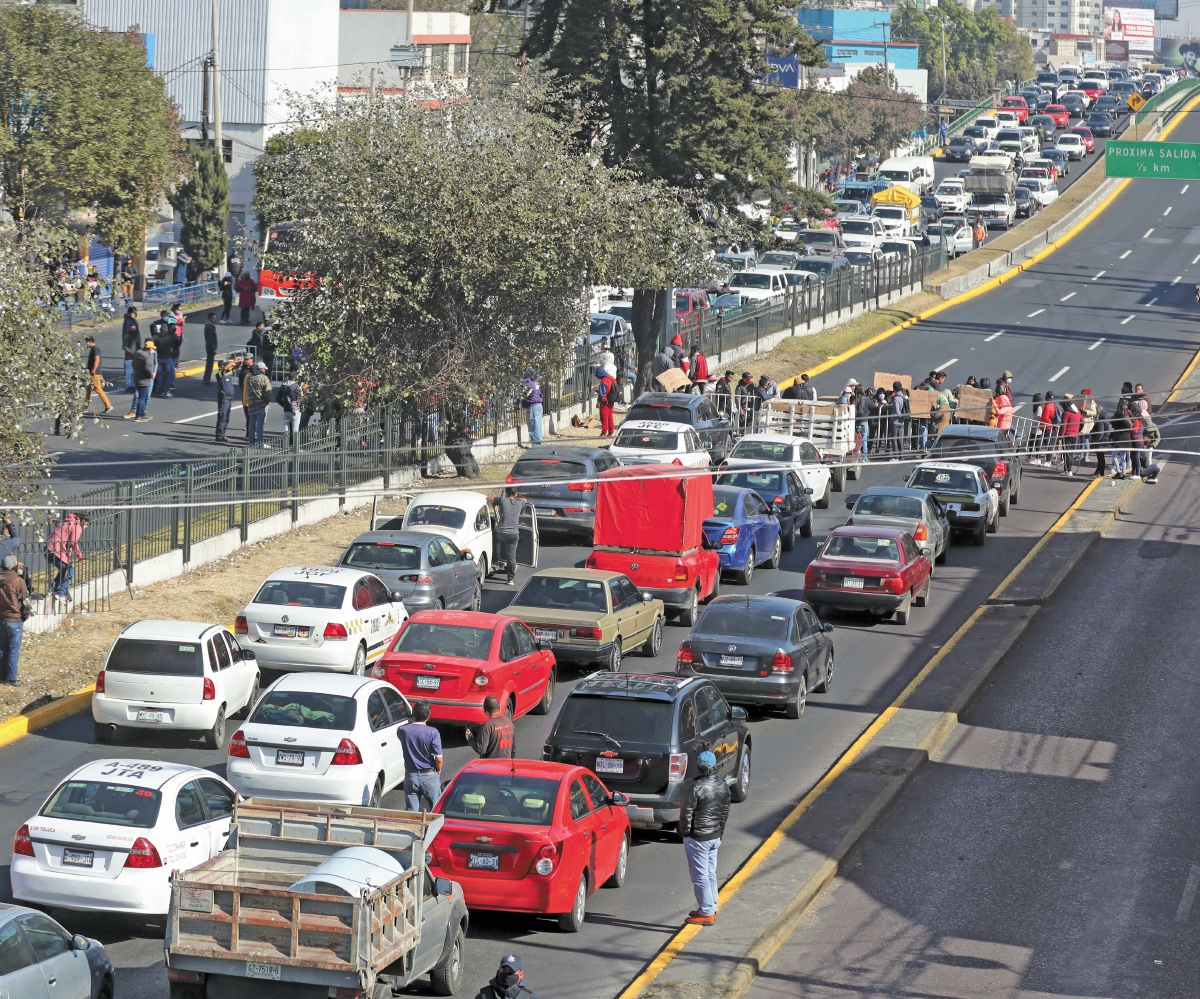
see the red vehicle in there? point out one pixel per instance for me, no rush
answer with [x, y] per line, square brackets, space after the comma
[454, 659]
[650, 526]
[531, 836]
[874, 569]
[1061, 116]
[1018, 105]
[273, 283]
[1085, 133]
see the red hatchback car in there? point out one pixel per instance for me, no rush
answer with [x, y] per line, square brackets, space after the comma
[1018, 105]
[531, 836]
[877, 570]
[1085, 133]
[454, 659]
[1060, 114]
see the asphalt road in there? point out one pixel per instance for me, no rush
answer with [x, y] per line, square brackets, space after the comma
[1051, 848]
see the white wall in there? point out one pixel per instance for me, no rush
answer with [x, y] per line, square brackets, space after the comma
[837, 76]
[302, 55]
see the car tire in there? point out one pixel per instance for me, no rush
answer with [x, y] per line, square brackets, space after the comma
[543, 706]
[776, 554]
[214, 738]
[745, 574]
[740, 790]
[360, 662]
[103, 733]
[837, 478]
[572, 921]
[653, 645]
[716, 590]
[980, 538]
[476, 598]
[795, 708]
[446, 976]
[180, 990]
[483, 566]
[904, 611]
[788, 537]
[922, 598]
[618, 876]
[994, 526]
[687, 616]
[376, 799]
[823, 502]
[1015, 491]
[614, 657]
[806, 528]
[1004, 501]
[254, 692]
[827, 679]
[945, 555]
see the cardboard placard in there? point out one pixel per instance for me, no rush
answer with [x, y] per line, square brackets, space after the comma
[920, 402]
[885, 380]
[674, 380]
[973, 403]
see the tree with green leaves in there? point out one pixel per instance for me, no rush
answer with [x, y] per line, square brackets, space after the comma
[87, 125]
[881, 117]
[982, 38]
[203, 205]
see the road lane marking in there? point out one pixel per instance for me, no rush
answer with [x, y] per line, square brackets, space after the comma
[1189, 894]
[1099, 276]
[1018, 406]
[1168, 211]
[200, 416]
[1195, 258]
[1032, 314]
[1177, 280]
[1061, 371]
[943, 367]
[1125, 320]
[1185, 187]
[1125, 254]
[989, 339]
[1146, 234]
[1152, 301]
[1097, 343]
[1071, 295]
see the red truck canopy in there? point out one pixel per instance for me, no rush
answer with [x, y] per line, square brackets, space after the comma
[652, 508]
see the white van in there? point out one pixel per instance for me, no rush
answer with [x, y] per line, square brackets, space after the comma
[913, 172]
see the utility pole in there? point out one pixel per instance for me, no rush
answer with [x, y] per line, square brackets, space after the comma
[886, 78]
[216, 90]
[942, 22]
[205, 116]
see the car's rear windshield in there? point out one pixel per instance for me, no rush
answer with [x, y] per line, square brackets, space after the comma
[382, 555]
[604, 327]
[819, 266]
[778, 259]
[162, 658]
[725, 501]
[961, 140]
[558, 593]
[302, 709]
[750, 281]
[113, 804]
[861, 547]
[647, 440]
[889, 505]
[660, 411]
[823, 238]
[420, 638]
[300, 593]
[858, 227]
[962, 445]
[901, 248]
[761, 482]
[940, 478]
[548, 468]
[432, 515]
[736, 620]
[509, 797]
[768, 450]
[624, 719]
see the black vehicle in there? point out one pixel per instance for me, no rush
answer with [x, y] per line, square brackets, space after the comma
[1047, 123]
[1112, 105]
[1076, 108]
[693, 410]
[567, 506]
[960, 148]
[1024, 200]
[930, 208]
[795, 505]
[1101, 124]
[990, 448]
[1047, 98]
[768, 651]
[1048, 76]
[1059, 159]
[642, 733]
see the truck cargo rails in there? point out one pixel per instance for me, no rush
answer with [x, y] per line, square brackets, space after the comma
[992, 186]
[831, 427]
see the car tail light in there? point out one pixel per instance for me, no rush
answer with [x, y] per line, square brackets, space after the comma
[378, 672]
[731, 535]
[678, 768]
[179, 975]
[589, 562]
[510, 479]
[237, 745]
[920, 534]
[419, 577]
[546, 858]
[782, 663]
[684, 656]
[681, 573]
[895, 583]
[780, 500]
[240, 627]
[347, 755]
[1000, 470]
[813, 576]
[335, 631]
[22, 843]
[481, 679]
[143, 854]
[586, 633]
[575, 509]
[582, 487]
[210, 690]
[100, 682]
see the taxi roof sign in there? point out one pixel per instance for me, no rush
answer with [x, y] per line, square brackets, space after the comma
[1135, 101]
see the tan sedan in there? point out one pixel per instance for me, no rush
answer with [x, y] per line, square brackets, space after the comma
[590, 615]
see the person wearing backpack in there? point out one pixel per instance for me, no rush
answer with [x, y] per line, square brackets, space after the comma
[287, 396]
[606, 399]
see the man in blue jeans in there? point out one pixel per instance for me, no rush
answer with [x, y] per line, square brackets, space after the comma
[531, 401]
[422, 745]
[702, 823]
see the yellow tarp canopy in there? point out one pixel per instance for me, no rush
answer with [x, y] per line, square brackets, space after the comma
[896, 196]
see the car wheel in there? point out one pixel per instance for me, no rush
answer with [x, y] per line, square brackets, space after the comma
[827, 681]
[543, 706]
[176, 990]
[360, 662]
[1015, 491]
[572, 922]
[214, 738]
[823, 502]
[614, 657]
[789, 537]
[446, 977]
[746, 573]
[653, 644]
[476, 598]
[994, 526]
[837, 479]
[1004, 501]
[483, 566]
[795, 708]
[103, 733]
[376, 793]
[806, 528]
[741, 787]
[250, 701]
[980, 538]
[687, 616]
[773, 561]
[923, 597]
[903, 612]
[618, 876]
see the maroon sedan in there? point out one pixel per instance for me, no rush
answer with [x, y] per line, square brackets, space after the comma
[873, 569]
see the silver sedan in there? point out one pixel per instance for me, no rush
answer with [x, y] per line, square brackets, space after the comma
[911, 510]
[426, 571]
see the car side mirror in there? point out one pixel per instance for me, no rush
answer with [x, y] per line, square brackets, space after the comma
[443, 887]
[249, 654]
[808, 490]
[827, 628]
[738, 713]
[647, 597]
[545, 645]
[619, 799]
[851, 500]
[468, 557]
[80, 942]
[708, 445]
[396, 597]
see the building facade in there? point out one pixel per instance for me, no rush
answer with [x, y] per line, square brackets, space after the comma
[366, 38]
[852, 40]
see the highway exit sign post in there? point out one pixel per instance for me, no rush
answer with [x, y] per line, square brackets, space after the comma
[1164, 160]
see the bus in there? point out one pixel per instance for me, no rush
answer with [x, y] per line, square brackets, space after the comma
[278, 284]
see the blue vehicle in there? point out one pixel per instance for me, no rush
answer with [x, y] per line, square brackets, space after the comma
[744, 532]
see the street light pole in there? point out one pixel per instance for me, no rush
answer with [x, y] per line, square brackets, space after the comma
[216, 84]
[942, 22]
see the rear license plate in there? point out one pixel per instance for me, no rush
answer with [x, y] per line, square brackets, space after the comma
[852, 583]
[289, 631]
[483, 862]
[547, 511]
[732, 660]
[429, 682]
[545, 636]
[606, 765]
[154, 717]
[289, 757]
[78, 858]
[267, 971]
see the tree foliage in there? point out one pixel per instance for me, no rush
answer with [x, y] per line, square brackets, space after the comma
[87, 126]
[981, 38]
[272, 186]
[973, 83]
[203, 205]
[880, 117]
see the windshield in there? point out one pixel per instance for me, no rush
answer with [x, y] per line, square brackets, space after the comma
[301, 709]
[858, 228]
[382, 555]
[770, 450]
[818, 266]
[98, 801]
[604, 327]
[623, 719]
[661, 412]
[1008, 135]
[509, 797]
[647, 440]
[741, 621]
[426, 639]
[849, 206]
[683, 303]
[896, 174]
[778, 259]
[859, 546]
[964, 139]
[770, 483]
[827, 238]
[889, 505]
[940, 478]
[436, 516]
[548, 468]
[950, 189]
[555, 593]
[162, 658]
[301, 593]
[974, 132]
[750, 281]
[890, 213]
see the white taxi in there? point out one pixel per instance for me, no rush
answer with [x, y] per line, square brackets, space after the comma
[971, 502]
[110, 834]
[754, 450]
[320, 618]
[458, 514]
[651, 442]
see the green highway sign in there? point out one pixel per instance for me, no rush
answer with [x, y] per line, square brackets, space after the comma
[1165, 160]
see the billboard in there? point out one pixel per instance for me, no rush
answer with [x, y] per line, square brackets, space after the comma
[1134, 25]
[782, 71]
[1182, 52]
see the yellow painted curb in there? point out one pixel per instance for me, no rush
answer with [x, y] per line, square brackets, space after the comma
[21, 725]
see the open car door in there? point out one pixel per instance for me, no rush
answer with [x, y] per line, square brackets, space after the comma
[527, 536]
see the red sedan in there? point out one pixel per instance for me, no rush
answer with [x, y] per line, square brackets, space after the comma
[1060, 114]
[1085, 133]
[531, 836]
[877, 570]
[455, 659]
[1018, 105]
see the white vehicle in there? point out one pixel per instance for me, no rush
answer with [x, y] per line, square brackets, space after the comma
[1029, 139]
[110, 834]
[971, 502]
[913, 172]
[863, 231]
[959, 239]
[321, 738]
[831, 427]
[900, 247]
[788, 230]
[779, 260]
[1099, 76]
[459, 514]
[952, 196]
[320, 618]
[1044, 192]
[796, 452]
[651, 442]
[758, 286]
[1072, 145]
[65, 961]
[895, 219]
[1007, 119]
[989, 125]
[175, 675]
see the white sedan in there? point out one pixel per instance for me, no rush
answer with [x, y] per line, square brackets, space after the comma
[753, 450]
[959, 238]
[321, 738]
[650, 442]
[320, 619]
[110, 834]
[458, 514]
[971, 502]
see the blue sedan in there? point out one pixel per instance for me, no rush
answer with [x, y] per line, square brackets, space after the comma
[744, 532]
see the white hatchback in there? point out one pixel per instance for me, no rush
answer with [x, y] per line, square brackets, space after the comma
[321, 738]
[320, 619]
[458, 514]
[761, 450]
[173, 675]
[110, 834]
[650, 442]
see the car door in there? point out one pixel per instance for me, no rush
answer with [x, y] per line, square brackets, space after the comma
[716, 732]
[624, 614]
[579, 848]
[762, 524]
[531, 670]
[609, 830]
[464, 573]
[219, 801]
[20, 976]
[439, 570]
[803, 636]
[814, 473]
[697, 455]
[799, 500]
[645, 612]
[481, 541]
[192, 820]
[66, 971]
[232, 674]
[379, 721]
[714, 429]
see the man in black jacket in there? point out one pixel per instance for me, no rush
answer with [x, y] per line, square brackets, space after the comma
[227, 390]
[210, 347]
[507, 982]
[701, 824]
[131, 339]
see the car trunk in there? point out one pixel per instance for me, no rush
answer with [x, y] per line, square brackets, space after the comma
[633, 768]
[554, 625]
[449, 677]
[285, 749]
[897, 523]
[153, 688]
[469, 848]
[265, 623]
[646, 571]
[872, 574]
[732, 655]
[526, 474]
[65, 847]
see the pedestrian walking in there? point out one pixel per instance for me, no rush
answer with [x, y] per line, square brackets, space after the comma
[15, 609]
[63, 551]
[506, 984]
[258, 397]
[227, 389]
[131, 338]
[698, 369]
[496, 738]
[702, 824]
[129, 273]
[508, 530]
[978, 233]
[210, 346]
[247, 289]
[95, 378]
[421, 744]
[226, 288]
[606, 399]
[531, 402]
[145, 370]
[288, 397]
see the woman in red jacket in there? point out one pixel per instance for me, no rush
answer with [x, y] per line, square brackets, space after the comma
[1072, 424]
[247, 289]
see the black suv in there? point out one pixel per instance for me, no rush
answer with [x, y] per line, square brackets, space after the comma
[642, 733]
[694, 411]
[566, 506]
[990, 448]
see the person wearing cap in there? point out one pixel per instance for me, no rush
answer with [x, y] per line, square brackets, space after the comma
[227, 388]
[258, 397]
[95, 380]
[14, 609]
[702, 824]
[507, 983]
[145, 369]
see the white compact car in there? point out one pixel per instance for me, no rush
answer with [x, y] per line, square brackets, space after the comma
[1072, 145]
[177, 675]
[755, 450]
[758, 286]
[650, 442]
[971, 502]
[321, 738]
[320, 618]
[110, 834]
[460, 515]
[952, 196]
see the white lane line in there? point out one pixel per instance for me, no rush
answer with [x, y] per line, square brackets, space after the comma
[1185, 187]
[1189, 894]
[1146, 234]
[1032, 314]
[1125, 320]
[1151, 302]
[1125, 254]
[1099, 276]
[945, 365]
[1097, 343]
[1168, 211]
[1177, 280]
[199, 416]
[1071, 295]
[989, 339]
[1061, 371]
[1018, 406]
[1195, 258]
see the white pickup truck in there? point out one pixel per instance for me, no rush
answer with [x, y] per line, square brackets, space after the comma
[952, 197]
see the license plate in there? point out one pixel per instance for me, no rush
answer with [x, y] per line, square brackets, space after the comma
[483, 862]
[289, 757]
[732, 660]
[545, 636]
[606, 765]
[547, 511]
[78, 858]
[852, 583]
[289, 631]
[429, 682]
[267, 971]
[154, 717]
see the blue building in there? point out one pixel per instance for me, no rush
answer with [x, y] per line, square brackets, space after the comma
[858, 36]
